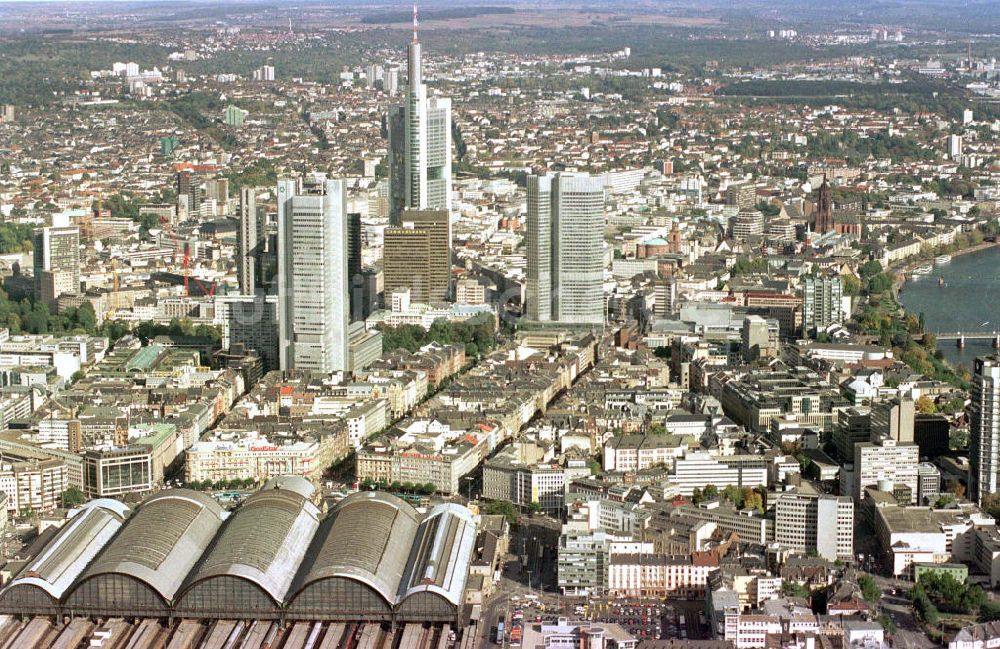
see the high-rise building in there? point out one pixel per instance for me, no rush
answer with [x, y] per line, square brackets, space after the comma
[746, 224]
[419, 146]
[759, 338]
[56, 260]
[954, 146]
[894, 419]
[819, 523]
[252, 321]
[249, 242]
[824, 209]
[313, 301]
[984, 428]
[742, 195]
[888, 465]
[189, 189]
[821, 302]
[417, 255]
[665, 303]
[565, 248]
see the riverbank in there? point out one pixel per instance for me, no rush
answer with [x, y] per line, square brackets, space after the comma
[899, 275]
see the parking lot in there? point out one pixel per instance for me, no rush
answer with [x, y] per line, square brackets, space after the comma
[652, 619]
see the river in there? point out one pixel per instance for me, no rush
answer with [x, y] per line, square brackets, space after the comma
[969, 301]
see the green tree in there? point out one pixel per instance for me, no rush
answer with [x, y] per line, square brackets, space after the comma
[73, 497]
[503, 508]
[869, 589]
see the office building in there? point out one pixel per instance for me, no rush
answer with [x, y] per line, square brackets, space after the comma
[249, 242]
[853, 427]
[419, 146]
[890, 466]
[759, 338]
[417, 256]
[189, 190]
[894, 419]
[821, 303]
[565, 249]
[583, 560]
[56, 260]
[313, 301]
[697, 469]
[250, 321]
[115, 472]
[815, 523]
[984, 428]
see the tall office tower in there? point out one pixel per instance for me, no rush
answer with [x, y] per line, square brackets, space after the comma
[189, 186]
[565, 248]
[419, 145]
[417, 256]
[821, 302]
[249, 242]
[353, 244]
[313, 301]
[984, 429]
[824, 209]
[56, 260]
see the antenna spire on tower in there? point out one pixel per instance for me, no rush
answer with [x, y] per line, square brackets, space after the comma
[414, 22]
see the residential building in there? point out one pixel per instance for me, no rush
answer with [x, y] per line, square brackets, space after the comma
[821, 303]
[32, 484]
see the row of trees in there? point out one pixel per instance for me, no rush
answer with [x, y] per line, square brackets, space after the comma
[425, 489]
[477, 334]
[218, 485]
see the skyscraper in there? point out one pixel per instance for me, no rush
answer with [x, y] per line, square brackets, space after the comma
[249, 242]
[984, 429]
[565, 248]
[419, 145]
[313, 304]
[417, 255]
[56, 260]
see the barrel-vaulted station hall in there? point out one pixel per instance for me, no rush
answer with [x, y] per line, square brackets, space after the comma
[371, 558]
